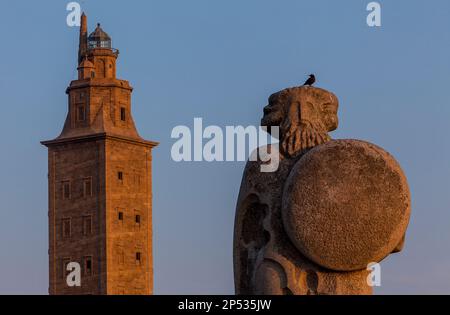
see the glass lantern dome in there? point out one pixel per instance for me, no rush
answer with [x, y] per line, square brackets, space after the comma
[99, 39]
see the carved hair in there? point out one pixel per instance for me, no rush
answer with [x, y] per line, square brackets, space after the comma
[304, 115]
[307, 135]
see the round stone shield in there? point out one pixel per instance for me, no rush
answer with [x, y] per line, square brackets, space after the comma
[346, 203]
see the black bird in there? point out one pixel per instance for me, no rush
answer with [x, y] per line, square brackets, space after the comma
[310, 80]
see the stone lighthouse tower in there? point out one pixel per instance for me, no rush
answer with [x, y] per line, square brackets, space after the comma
[99, 182]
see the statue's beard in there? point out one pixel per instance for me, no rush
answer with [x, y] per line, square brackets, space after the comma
[296, 139]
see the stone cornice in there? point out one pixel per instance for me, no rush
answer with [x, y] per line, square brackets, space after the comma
[77, 84]
[99, 136]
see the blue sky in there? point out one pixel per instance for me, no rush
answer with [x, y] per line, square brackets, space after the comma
[220, 60]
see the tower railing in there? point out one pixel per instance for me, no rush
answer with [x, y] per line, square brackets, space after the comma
[114, 50]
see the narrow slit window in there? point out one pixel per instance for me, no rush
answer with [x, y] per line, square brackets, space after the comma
[66, 190]
[120, 175]
[123, 115]
[66, 228]
[121, 257]
[88, 265]
[81, 113]
[120, 216]
[138, 258]
[87, 225]
[87, 187]
[137, 180]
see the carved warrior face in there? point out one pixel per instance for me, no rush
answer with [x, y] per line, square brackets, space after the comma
[304, 114]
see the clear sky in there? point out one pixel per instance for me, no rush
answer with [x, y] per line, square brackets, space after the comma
[220, 60]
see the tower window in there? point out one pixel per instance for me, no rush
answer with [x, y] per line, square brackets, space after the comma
[121, 216]
[92, 74]
[66, 228]
[138, 258]
[66, 189]
[87, 187]
[121, 257]
[87, 225]
[138, 219]
[123, 115]
[88, 265]
[120, 175]
[137, 180]
[81, 113]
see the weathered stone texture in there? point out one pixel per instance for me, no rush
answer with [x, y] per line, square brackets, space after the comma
[105, 214]
[332, 206]
[346, 204]
[125, 238]
[75, 162]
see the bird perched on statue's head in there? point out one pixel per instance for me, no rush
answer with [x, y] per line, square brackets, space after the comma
[310, 80]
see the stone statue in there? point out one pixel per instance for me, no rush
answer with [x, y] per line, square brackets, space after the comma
[330, 209]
